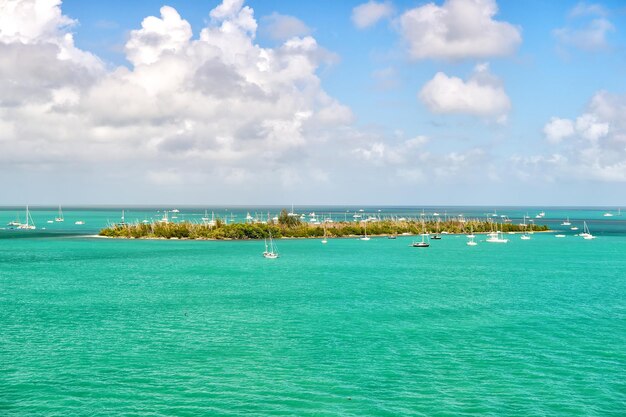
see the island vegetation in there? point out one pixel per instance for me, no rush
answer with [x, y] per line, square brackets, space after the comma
[289, 226]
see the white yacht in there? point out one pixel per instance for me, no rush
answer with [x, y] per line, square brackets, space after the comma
[365, 236]
[59, 218]
[30, 224]
[497, 238]
[15, 222]
[425, 238]
[586, 233]
[566, 222]
[525, 236]
[270, 250]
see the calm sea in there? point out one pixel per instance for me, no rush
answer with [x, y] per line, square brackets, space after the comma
[104, 327]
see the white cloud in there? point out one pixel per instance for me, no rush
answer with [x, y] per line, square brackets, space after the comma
[459, 29]
[481, 95]
[596, 145]
[592, 37]
[34, 25]
[282, 27]
[217, 105]
[157, 36]
[588, 28]
[590, 128]
[586, 9]
[558, 129]
[368, 14]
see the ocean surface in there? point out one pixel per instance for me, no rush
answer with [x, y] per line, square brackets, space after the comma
[104, 327]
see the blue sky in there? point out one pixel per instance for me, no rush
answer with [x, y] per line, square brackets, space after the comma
[529, 112]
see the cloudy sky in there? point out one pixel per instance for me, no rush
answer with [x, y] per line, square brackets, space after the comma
[324, 102]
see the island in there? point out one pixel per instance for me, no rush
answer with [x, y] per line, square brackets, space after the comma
[288, 226]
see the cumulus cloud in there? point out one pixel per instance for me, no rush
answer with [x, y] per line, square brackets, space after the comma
[481, 95]
[212, 105]
[458, 29]
[596, 140]
[281, 27]
[368, 14]
[558, 129]
[157, 36]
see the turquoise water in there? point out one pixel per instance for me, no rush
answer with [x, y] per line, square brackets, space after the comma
[114, 327]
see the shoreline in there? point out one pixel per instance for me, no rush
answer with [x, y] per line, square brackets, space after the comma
[296, 237]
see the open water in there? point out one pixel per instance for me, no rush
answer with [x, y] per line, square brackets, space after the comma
[103, 327]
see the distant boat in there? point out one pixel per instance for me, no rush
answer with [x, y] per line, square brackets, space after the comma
[566, 222]
[59, 218]
[123, 220]
[437, 236]
[573, 228]
[540, 215]
[496, 237]
[79, 222]
[559, 235]
[15, 222]
[392, 236]
[30, 224]
[525, 236]
[586, 233]
[324, 240]
[365, 237]
[425, 238]
[471, 242]
[270, 251]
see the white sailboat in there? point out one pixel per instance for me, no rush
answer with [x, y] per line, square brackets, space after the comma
[425, 238]
[608, 214]
[324, 240]
[59, 218]
[15, 222]
[496, 237]
[30, 224]
[566, 222]
[525, 236]
[586, 233]
[470, 237]
[365, 236]
[270, 250]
